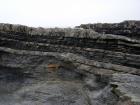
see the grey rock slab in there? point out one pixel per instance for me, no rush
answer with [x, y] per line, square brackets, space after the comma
[48, 93]
[127, 85]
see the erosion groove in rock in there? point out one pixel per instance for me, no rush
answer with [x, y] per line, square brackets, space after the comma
[65, 66]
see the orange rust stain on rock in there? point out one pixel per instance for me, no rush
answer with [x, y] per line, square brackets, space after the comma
[53, 67]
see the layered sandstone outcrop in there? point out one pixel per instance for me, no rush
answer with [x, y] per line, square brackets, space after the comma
[92, 66]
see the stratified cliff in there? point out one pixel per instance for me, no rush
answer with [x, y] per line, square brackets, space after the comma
[98, 65]
[127, 28]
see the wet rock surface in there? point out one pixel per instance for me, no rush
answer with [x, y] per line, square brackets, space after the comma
[69, 66]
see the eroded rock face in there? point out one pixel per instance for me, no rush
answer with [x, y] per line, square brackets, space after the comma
[68, 67]
[127, 28]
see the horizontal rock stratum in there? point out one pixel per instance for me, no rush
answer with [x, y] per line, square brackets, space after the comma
[92, 64]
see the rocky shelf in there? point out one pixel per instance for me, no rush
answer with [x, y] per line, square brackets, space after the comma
[92, 64]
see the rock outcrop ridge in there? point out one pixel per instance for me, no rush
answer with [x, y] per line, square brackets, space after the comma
[89, 65]
[127, 28]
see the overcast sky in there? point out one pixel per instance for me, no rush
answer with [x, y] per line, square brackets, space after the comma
[67, 13]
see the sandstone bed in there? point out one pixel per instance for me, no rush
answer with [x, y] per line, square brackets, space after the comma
[92, 64]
